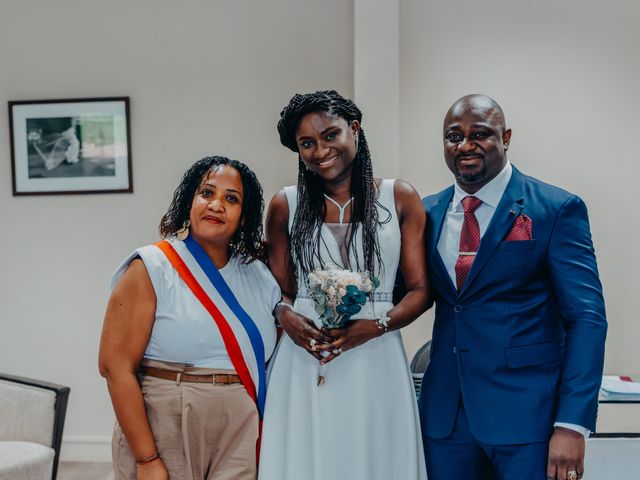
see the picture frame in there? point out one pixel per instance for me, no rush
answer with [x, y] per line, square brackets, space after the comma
[70, 146]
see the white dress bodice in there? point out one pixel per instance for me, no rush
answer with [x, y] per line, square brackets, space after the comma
[389, 240]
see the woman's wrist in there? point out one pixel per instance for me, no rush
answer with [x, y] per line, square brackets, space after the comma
[374, 331]
[148, 458]
[383, 323]
[285, 316]
[281, 306]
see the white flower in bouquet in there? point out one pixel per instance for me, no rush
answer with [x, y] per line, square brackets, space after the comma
[338, 294]
[331, 295]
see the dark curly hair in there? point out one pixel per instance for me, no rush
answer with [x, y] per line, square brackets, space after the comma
[305, 231]
[248, 240]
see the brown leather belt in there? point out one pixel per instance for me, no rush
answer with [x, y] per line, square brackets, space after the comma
[217, 379]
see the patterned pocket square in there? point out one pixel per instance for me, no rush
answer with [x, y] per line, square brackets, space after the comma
[521, 230]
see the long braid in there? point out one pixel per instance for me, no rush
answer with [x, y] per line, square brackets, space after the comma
[310, 212]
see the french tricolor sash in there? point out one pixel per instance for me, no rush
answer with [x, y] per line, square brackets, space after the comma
[239, 332]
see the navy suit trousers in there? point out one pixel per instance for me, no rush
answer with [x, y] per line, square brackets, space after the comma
[461, 456]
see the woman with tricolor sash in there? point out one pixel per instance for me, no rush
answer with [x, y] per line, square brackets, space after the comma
[188, 331]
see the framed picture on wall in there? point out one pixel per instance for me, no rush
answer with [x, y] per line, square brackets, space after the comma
[70, 146]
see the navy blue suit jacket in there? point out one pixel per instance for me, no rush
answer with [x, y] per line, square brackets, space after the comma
[523, 341]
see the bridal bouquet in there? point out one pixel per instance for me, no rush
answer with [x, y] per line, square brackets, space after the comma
[339, 294]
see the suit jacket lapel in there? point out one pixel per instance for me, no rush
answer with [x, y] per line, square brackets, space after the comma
[506, 213]
[437, 215]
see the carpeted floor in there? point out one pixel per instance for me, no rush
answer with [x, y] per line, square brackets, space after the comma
[85, 471]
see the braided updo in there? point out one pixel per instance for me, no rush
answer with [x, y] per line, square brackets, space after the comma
[305, 231]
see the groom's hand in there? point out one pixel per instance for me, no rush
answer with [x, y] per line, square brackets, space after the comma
[566, 453]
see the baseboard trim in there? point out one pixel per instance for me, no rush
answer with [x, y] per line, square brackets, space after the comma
[85, 448]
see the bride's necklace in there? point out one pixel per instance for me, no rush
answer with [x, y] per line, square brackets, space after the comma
[341, 208]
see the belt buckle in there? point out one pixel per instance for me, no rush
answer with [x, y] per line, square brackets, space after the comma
[213, 379]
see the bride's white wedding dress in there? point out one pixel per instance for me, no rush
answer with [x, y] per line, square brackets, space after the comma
[362, 423]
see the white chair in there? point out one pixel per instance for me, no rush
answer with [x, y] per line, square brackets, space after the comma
[31, 422]
[612, 458]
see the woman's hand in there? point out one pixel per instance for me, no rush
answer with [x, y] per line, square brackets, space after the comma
[357, 332]
[155, 470]
[303, 331]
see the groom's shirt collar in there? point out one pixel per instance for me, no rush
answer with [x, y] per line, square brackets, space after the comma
[490, 194]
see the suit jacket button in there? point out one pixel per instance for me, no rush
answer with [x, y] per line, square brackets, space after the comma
[457, 308]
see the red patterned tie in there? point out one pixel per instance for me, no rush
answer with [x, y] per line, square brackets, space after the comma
[469, 240]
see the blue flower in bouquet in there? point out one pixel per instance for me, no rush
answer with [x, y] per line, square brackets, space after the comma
[352, 302]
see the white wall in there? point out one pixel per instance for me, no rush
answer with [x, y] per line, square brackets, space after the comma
[376, 82]
[204, 77]
[566, 74]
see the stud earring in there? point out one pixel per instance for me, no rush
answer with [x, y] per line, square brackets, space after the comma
[183, 233]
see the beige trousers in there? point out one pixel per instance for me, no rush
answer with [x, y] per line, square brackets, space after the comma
[202, 431]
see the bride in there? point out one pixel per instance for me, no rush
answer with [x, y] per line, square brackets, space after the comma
[362, 422]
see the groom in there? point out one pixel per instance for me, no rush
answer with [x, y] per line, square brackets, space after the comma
[511, 391]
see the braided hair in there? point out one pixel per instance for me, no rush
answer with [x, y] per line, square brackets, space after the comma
[305, 231]
[247, 241]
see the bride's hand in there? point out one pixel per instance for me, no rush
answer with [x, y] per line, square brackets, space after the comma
[303, 332]
[354, 334]
[155, 470]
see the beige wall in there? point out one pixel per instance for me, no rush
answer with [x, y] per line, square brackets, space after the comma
[204, 77]
[566, 74]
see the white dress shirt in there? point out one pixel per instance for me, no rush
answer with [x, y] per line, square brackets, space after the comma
[490, 194]
[449, 241]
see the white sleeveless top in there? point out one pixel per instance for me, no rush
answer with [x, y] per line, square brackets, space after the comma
[389, 240]
[183, 330]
